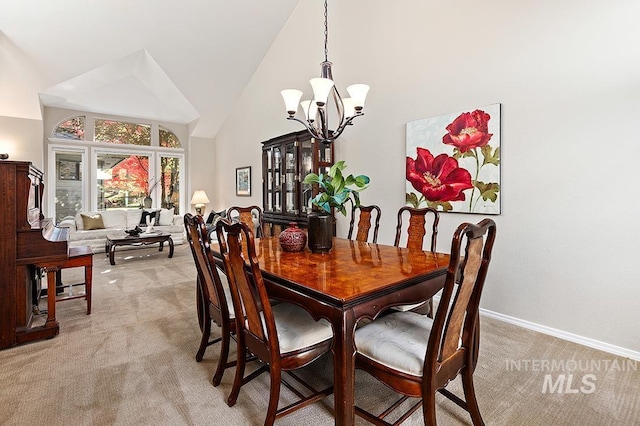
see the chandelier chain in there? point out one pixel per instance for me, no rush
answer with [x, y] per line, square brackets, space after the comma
[326, 32]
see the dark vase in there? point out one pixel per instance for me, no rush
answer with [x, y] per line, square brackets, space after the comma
[293, 238]
[320, 232]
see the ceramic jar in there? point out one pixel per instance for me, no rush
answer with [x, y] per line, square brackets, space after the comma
[293, 238]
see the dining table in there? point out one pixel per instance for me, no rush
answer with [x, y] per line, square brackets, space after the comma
[353, 281]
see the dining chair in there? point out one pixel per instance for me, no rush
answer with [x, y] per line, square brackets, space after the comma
[250, 215]
[213, 297]
[365, 214]
[284, 337]
[418, 356]
[421, 223]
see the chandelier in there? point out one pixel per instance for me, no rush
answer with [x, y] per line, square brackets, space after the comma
[316, 111]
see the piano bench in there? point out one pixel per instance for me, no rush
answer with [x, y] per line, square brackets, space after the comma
[78, 257]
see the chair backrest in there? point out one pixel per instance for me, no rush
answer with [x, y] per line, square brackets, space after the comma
[208, 276]
[365, 215]
[248, 292]
[246, 215]
[417, 227]
[453, 338]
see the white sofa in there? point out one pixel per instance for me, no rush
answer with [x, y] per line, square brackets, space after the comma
[119, 220]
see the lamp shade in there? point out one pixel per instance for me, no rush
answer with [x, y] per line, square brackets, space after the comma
[321, 88]
[291, 98]
[199, 197]
[358, 93]
[310, 110]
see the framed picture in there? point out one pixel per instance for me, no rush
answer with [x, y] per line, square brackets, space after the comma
[453, 161]
[243, 181]
[68, 170]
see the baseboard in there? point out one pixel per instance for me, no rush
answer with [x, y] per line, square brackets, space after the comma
[581, 340]
[585, 341]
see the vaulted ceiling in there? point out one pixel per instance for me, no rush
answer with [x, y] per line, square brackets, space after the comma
[184, 62]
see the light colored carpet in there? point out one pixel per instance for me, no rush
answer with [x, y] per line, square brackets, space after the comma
[132, 362]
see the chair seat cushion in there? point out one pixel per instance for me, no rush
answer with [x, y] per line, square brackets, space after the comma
[398, 341]
[297, 329]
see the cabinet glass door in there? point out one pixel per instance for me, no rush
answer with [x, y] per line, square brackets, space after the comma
[306, 167]
[277, 179]
[268, 179]
[290, 178]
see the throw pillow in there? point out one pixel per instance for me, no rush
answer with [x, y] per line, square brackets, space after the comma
[215, 217]
[153, 214]
[92, 222]
[166, 217]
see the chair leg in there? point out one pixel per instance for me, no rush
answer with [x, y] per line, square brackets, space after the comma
[275, 376]
[429, 408]
[239, 377]
[204, 340]
[224, 355]
[470, 396]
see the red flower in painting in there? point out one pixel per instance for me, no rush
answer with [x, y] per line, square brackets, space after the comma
[439, 178]
[470, 130]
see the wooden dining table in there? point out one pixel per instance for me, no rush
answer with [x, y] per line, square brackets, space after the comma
[354, 280]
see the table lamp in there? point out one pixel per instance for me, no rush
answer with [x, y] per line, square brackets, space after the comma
[198, 200]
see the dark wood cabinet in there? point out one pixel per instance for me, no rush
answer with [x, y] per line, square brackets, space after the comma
[286, 160]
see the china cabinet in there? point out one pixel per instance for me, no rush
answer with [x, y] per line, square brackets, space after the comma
[286, 160]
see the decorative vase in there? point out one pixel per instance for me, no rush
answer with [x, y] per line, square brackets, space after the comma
[293, 238]
[320, 232]
[146, 202]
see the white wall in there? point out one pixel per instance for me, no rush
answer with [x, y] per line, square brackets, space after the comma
[21, 138]
[568, 79]
[200, 165]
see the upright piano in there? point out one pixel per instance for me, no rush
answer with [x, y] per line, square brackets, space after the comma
[26, 238]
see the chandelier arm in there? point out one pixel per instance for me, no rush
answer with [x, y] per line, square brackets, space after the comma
[310, 128]
[323, 126]
[344, 124]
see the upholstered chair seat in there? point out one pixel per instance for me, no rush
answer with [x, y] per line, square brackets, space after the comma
[297, 330]
[397, 340]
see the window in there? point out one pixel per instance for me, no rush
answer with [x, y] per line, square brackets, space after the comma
[68, 187]
[73, 128]
[168, 139]
[123, 180]
[120, 132]
[102, 164]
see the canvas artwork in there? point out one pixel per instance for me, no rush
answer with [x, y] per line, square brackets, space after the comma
[453, 161]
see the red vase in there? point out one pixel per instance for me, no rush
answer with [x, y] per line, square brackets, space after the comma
[293, 238]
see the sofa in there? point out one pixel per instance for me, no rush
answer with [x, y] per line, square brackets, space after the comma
[92, 228]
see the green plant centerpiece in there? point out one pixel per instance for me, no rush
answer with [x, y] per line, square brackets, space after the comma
[335, 191]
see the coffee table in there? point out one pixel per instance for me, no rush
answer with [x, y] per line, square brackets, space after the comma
[122, 239]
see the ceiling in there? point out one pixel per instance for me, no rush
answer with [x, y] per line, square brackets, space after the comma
[183, 62]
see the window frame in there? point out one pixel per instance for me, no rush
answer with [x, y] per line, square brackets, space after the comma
[89, 148]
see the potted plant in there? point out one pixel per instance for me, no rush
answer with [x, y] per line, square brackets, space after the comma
[147, 201]
[335, 190]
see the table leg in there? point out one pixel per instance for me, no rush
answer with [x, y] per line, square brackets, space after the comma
[344, 368]
[88, 276]
[161, 245]
[170, 247]
[112, 254]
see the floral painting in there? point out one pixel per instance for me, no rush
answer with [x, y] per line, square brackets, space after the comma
[453, 161]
